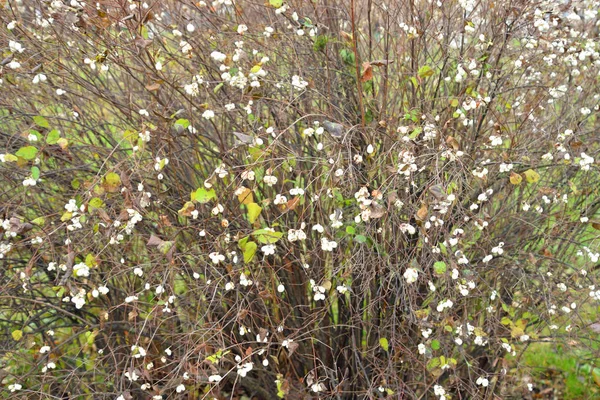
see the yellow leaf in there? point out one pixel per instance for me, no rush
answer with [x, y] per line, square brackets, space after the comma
[63, 143]
[187, 209]
[245, 196]
[66, 216]
[112, 181]
[531, 176]
[253, 212]
[17, 335]
[515, 178]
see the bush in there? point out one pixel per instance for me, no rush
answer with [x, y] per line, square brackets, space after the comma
[342, 200]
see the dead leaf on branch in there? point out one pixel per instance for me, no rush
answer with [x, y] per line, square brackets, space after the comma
[367, 72]
[381, 63]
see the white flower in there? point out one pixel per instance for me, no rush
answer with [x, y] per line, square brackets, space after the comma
[81, 269]
[216, 257]
[270, 180]
[60, 92]
[190, 27]
[411, 275]
[217, 56]
[215, 378]
[444, 304]
[279, 199]
[15, 47]
[328, 245]
[39, 78]
[14, 64]
[144, 112]
[132, 376]
[241, 29]
[558, 92]
[318, 227]
[268, 31]
[208, 114]
[243, 369]
[439, 391]
[281, 288]
[137, 351]
[44, 349]
[229, 286]
[496, 140]
[14, 387]
[342, 289]
[180, 388]
[185, 47]
[317, 387]
[483, 381]
[268, 249]
[11, 25]
[298, 83]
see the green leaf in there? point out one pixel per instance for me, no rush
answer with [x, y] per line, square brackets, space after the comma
[217, 88]
[435, 345]
[164, 247]
[249, 251]
[184, 123]
[347, 56]
[253, 212]
[360, 239]
[27, 152]
[276, 3]
[203, 195]
[95, 203]
[35, 172]
[439, 267]
[425, 71]
[266, 236]
[179, 287]
[320, 43]
[383, 342]
[41, 121]
[217, 356]
[433, 363]
[53, 137]
[112, 181]
[242, 242]
[39, 221]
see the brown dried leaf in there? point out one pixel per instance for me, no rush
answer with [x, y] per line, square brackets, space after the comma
[377, 211]
[292, 347]
[422, 213]
[452, 142]
[154, 241]
[292, 203]
[381, 63]
[153, 87]
[367, 72]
